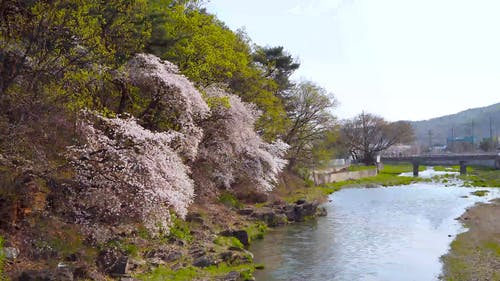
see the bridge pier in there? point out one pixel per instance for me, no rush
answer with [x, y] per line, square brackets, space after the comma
[463, 168]
[415, 169]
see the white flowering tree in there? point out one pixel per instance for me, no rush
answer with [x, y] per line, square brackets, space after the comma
[134, 169]
[172, 101]
[232, 151]
[129, 173]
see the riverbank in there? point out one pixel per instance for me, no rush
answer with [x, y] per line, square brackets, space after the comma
[475, 254]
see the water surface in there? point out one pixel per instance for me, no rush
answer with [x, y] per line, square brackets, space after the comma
[393, 233]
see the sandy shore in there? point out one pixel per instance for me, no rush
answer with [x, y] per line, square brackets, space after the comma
[475, 254]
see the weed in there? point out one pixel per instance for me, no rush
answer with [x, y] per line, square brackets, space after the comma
[229, 200]
[180, 229]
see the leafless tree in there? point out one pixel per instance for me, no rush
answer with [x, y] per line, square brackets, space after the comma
[366, 135]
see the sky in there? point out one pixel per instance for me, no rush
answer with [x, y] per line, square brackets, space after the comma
[400, 59]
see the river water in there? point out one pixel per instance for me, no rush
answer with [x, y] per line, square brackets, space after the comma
[393, 233]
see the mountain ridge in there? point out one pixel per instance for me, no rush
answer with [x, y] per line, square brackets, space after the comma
[470, 122]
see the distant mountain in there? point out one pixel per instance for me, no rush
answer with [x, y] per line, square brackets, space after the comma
[471, 122]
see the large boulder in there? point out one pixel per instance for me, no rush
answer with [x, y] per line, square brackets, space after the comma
[270, 216]
[241, 235]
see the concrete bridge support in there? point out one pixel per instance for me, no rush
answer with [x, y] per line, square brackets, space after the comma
[463, 168]
[415, 169]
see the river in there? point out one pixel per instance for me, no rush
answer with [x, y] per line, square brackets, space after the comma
[393, 233]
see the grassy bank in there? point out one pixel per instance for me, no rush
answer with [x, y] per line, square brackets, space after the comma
[388, 176]
[475, 254]
[481, 176]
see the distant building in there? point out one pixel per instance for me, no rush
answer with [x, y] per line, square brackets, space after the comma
[461, 144]
[399, 150]
[466, 139]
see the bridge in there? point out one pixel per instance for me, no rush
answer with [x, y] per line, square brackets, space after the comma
[480, 159]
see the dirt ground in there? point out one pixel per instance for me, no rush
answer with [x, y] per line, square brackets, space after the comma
[475, 254]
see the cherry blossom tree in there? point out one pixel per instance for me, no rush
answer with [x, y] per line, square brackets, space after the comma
[172, 101]
[232, 151]
[129, 173]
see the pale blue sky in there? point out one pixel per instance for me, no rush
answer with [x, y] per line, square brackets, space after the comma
[401, 59]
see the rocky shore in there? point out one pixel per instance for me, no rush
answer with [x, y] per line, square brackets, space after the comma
[211, 244]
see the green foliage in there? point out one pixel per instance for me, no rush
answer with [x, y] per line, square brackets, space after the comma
[353, 168]
[228, 242]
[314, 193]
[480, 193]
[446, 168]
[260, 266]
[122, 244]
[208, 52]
[389, 176]
[192, 273]
[164, 273]
[493, 246]
[180, 229]
[256, 230]
[311, 123]
[277, 64]
[481, 177]
[229, 200]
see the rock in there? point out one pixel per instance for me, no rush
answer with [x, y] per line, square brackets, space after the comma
[237, 257]
[245, 212]
[60, 274]
[121, 267]
[37, 275]
[231, 276]
[227, 256]
[204, 261]
[197, 252]
[64, 274]
[173, 256]
[300, 201]
[164, 255]
[299, 212]
[194, 217]
[128, 279]
[81, 273]
[321, 212]
[270, 217]
[113, 262]
[241, 235]
[10, 253]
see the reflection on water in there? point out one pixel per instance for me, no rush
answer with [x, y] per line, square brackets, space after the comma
[395, 233]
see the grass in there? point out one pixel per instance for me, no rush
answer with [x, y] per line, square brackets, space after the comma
[354, 168]
[180, 229]
[481, 177]
[447, 168]
[256, 231]
[189, 273]
[480, 193]
[228, 242]
[229, 200]
[315, 193]
[388, 176]
[467, 259]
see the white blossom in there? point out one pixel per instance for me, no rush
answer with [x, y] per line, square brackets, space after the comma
[129, 173]
[233, 148]
[175, 93]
